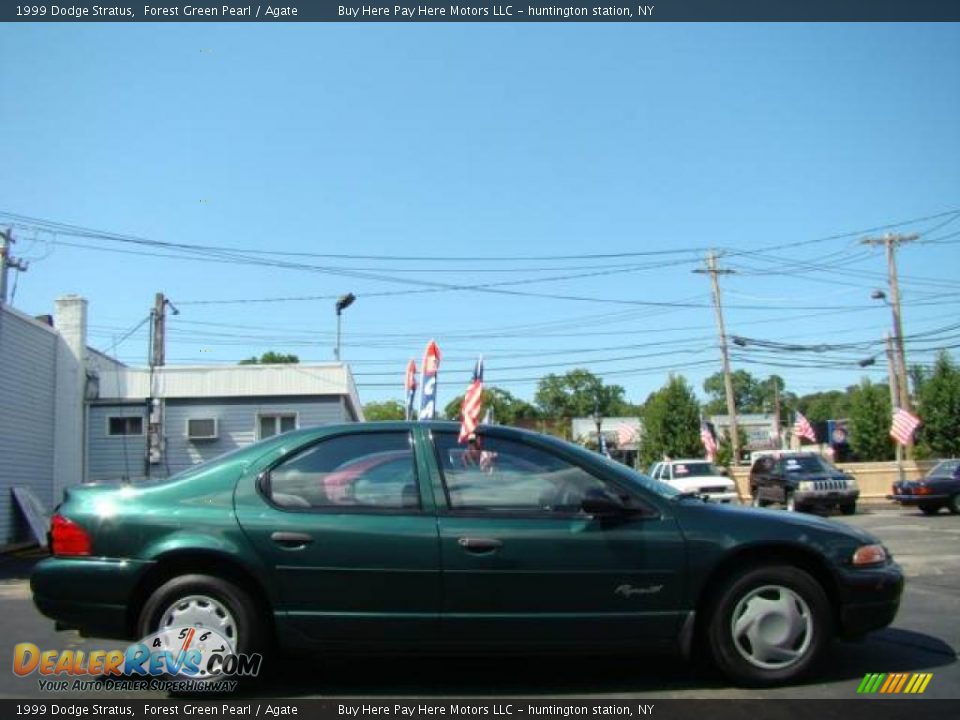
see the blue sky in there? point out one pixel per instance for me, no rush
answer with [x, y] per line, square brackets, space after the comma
[496, 142]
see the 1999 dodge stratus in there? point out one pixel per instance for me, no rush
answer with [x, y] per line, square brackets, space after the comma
[393, 536]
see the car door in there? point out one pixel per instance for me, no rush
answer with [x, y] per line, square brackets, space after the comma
[522, 564]
[350, 537]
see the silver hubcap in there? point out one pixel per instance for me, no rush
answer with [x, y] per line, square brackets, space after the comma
[200, 611]
[772, 627]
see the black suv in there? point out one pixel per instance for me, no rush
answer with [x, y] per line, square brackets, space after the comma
[802, 481]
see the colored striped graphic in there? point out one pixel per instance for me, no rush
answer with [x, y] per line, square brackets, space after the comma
[894, 683]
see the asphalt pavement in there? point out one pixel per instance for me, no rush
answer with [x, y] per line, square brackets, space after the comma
[924, 638]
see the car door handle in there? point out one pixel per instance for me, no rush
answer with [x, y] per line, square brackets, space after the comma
[291, 540]
[479, 545]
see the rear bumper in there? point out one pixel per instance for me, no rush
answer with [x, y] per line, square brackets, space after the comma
[869, 599]
[918, 499]
[89, 594]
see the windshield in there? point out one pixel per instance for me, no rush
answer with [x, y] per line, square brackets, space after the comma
[694, 469]
[807, 464]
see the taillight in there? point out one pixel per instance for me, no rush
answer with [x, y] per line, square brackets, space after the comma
[68, 538]
[922, 490]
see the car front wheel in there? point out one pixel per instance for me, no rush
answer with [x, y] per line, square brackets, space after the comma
[848, 508]
[204, 602]
[769, 625]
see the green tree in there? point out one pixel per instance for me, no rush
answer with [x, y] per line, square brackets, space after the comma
[870, 415]
[671, 423]
[940, 408]
[507, 409]
[821, 406]
[575, 393]
[752, 395]
[271, 358]
[725, 447]
[386, 410]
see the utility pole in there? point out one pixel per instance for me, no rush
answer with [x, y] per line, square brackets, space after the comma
[713, 271]
[776, 411]
[890, 242]
[894, 394]
[158, 322]
[7, 261]
[155, 409]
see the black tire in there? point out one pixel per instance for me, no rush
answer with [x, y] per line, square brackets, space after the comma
[785, 583]
[929, 509]
[848, 508]
[755, 500]
[953, 504]
[249, 633]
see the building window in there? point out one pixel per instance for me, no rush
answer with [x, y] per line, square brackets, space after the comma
[274, 424]
[132, 425]
[202, 428]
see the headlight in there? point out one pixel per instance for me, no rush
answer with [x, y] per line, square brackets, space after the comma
[852, 483]
[869, 555]
[805, 485]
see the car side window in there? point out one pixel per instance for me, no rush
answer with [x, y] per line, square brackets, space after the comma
[498, 475]
[374, 471]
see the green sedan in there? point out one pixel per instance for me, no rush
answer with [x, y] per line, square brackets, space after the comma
[394, 536]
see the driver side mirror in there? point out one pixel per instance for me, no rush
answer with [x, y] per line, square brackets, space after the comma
[602, 506]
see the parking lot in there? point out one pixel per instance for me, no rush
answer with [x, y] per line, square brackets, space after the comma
[924, 638]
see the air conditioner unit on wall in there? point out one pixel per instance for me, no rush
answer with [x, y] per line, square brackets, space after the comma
[202, 429]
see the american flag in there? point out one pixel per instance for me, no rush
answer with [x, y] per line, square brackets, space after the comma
[410, 385]
[626, 435]
[803, 429]
[904, 424]
[708, 440]
[472, 400]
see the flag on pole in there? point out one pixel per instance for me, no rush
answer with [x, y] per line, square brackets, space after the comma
[428, 384]
[472, 400]
[410, 385]
[708, 440]
[803, 429]
[626, 435]
[904, 425]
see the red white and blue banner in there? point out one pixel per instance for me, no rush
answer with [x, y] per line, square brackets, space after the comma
[428, 384]
[472, 402]
[410, 386]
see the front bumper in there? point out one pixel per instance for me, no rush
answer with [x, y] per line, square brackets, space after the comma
[869, 598]
[89, 594]
[725, 497]
[826, 497]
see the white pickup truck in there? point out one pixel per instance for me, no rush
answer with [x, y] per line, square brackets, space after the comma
[697, 476]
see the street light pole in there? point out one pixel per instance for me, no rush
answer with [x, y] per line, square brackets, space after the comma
[343, 303]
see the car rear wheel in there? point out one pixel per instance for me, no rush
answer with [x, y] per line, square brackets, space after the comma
[769, 625]
[207, 602]
[929, 509]
[954, 504]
